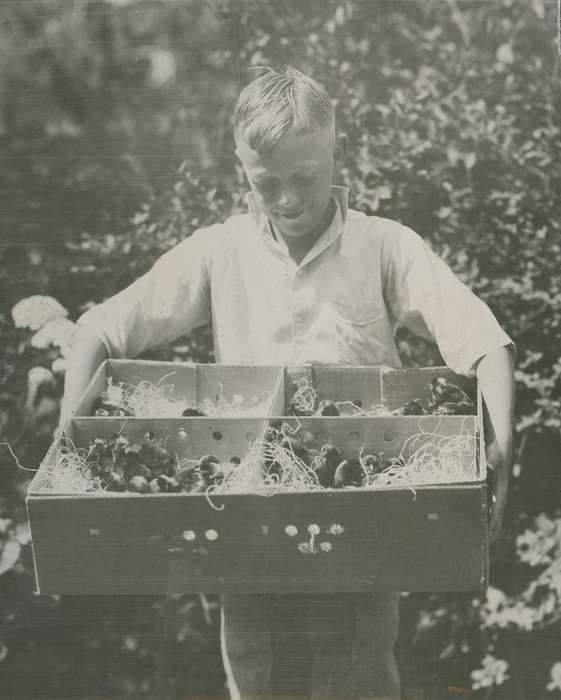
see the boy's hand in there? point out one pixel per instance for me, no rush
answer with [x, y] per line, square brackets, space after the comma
[498, 469]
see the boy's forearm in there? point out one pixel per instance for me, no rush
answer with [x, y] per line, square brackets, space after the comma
[495, 373]
[88, 353]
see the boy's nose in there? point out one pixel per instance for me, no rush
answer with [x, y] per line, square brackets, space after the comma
[287, 200]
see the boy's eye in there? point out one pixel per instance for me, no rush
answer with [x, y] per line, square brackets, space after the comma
[304, 179]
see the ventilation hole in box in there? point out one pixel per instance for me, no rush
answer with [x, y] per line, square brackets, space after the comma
[354, 436]
[217, 435]
[250, 436]
[389, 435]
[235, 460]
[182, 435]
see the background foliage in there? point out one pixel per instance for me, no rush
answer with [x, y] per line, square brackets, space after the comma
[115, 143]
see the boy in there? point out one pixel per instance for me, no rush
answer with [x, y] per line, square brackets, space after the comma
[303, 279]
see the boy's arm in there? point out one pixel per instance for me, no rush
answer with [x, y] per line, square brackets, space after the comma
[87, 354]
[172, 298]
[495, 372]
[426, 297]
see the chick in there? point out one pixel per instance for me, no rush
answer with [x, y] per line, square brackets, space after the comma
[349, 473]
[412, 408]
[272, 434]
[293, 445]
[395, 463]
[327, 408]
[443, 391]
[156, 458]
[106, 407]
[138, 484]
[167, 484]
[118, 445]
[296, 409]
[102, 467]
[187, 477]
[454, 409]
[372, 465]
[191, 412]
[97, 448]
[116, 480]
[329, 460]
[154, 486]
[209, 471]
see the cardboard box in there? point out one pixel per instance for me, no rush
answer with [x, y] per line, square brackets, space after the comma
[425, 538]
[191, 382]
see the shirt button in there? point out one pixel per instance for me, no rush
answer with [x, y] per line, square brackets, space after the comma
[299, 273]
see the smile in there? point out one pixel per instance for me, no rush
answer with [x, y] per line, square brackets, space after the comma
[292, 214]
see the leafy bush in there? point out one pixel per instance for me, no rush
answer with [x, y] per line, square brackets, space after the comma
[451, 111]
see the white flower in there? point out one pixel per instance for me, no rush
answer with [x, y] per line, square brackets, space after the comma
[58, 331]
[555, 675]
[59, 365]
[495, 598]
[494, 672]
[34, 311]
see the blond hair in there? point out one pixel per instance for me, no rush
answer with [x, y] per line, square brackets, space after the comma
[277, 105]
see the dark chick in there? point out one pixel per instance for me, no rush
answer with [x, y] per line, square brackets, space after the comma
[97, 448]
[454, 409]
[294, 445]
[329, 460]
[166, 484]
[187, 477]
[105, 407]
[295, 409]
[116, 480]
[372, 465]
[327, 408]
[209, 470]
[395, 463]
[412, 408]
[156, 458]
[118, 445]
[193, 413]
[443, 391]
[349, 473]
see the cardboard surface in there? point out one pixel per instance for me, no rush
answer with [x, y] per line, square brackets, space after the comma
[431, 537]
[396, 539]
[189, 382]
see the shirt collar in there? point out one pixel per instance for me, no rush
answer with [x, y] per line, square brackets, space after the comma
[341, 196]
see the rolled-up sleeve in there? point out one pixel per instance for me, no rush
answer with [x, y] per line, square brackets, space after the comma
[172, 298]
[424, 295]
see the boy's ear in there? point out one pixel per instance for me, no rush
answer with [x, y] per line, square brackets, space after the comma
[341, 147]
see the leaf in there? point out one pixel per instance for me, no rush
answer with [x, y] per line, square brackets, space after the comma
[9, 556]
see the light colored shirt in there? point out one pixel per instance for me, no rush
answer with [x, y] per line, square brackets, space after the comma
[339, 305]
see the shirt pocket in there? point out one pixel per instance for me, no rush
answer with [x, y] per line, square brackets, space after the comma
[357, 313]
[358, 332]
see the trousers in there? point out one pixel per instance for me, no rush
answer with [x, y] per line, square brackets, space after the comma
[317, 646]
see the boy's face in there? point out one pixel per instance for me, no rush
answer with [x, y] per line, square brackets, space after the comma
[292, 183]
